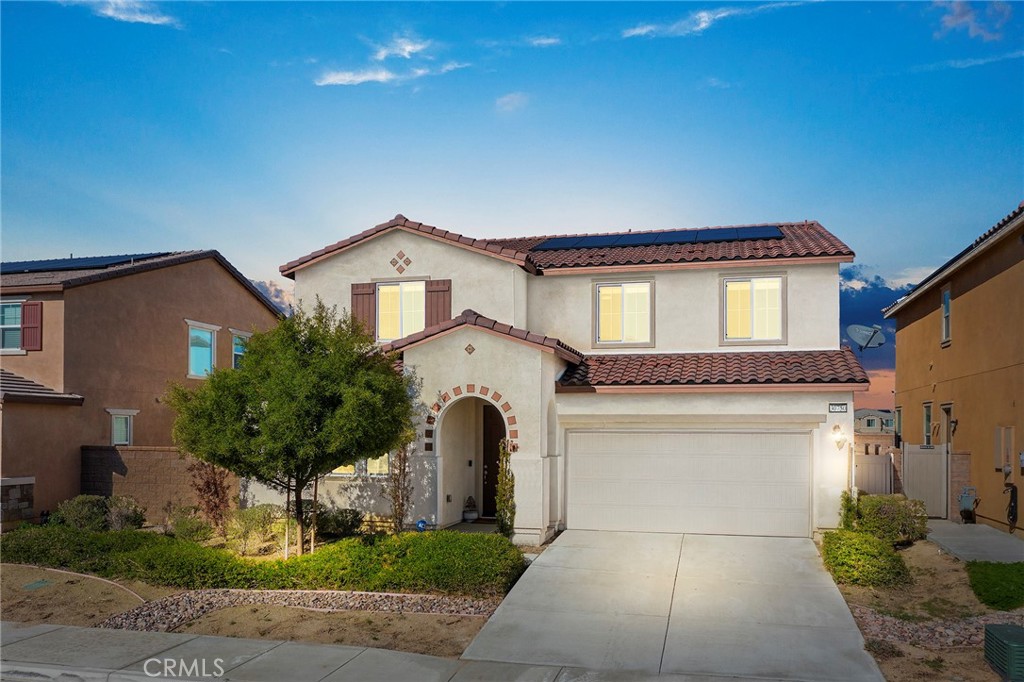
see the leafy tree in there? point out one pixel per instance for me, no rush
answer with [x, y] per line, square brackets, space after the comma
[310, 395]
[397, 486]
[506, 493]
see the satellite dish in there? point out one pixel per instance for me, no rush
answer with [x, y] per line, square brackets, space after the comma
[866, 337]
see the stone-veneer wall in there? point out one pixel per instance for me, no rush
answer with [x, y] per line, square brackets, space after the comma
[157, 477]
[17, 501]
[959, 477]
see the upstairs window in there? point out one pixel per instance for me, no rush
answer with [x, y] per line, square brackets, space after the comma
[927, 424]
[947, 303]
[753, 309]
[401, 309]
[871, 422]
[238, 343]
[202, 349]
[21, 326]
[624, 313]
[10, 326]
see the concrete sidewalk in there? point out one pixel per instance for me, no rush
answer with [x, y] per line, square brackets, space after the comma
[40, 653]
[976, 542]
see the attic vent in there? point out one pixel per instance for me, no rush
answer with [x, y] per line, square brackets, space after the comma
[1004, 650]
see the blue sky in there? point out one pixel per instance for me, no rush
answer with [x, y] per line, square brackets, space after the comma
[268, 130]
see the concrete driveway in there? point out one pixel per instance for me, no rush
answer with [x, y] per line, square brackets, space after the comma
[679, 604]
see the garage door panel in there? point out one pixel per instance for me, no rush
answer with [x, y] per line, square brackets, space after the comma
[736, 483]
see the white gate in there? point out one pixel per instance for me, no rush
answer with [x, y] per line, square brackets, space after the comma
[926, 477]
[874, 473]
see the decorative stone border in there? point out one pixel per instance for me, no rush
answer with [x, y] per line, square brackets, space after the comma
[939, 634]
[466, 390]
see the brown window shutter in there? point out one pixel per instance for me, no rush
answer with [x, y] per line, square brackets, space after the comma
[364, 306]
[439, 301]
[32, 325]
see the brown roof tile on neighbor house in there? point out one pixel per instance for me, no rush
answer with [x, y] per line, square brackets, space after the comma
[717, 369]
[799, 240]
[67, 273]
[18, 389]
[475, 319]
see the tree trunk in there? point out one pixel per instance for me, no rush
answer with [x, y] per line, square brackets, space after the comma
[298, 517]
[312, 530]
[287, 523]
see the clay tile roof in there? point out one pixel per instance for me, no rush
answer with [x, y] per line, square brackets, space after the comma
[475, 319]
[706, 369]
[799, 240]
[18, 389]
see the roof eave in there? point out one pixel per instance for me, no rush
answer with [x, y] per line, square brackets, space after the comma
[58, 399]
[807, 387]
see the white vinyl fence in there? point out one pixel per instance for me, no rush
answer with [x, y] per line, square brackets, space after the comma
[874, 473]
[926, 477]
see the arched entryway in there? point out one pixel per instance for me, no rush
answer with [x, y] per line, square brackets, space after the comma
[468, 433]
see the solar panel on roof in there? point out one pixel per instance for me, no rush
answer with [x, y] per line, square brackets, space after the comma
[557, 243]
[642, 239]
[716, 234]
[597, 240]
[63, 264]
[674, 237]
[759, 232]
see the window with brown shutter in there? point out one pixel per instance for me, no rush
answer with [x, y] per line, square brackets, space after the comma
[439, 301]
[32, 325]
[364, 306]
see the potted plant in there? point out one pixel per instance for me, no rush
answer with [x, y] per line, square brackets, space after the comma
[469, 512]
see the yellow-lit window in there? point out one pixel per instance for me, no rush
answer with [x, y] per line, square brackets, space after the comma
[401, 309]
[377, 466]
[346, 470]
[753, 309]
[624, 312]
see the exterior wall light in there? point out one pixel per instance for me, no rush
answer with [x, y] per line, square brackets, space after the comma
[839, 436]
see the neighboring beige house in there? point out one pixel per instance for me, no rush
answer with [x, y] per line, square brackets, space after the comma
[89, 347]
[874, 431]
[960, 370]
[675, 380]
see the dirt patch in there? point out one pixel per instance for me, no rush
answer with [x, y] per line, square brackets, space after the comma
[419, 633]
[941, 592]
[941, 589]
[39, 595]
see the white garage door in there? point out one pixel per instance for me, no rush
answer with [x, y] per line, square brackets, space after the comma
[720, 483]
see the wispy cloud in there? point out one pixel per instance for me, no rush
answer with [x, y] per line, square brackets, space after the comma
[134, 11]
[382, 75]
[962, 16]
[513, 101]
[544, 41]
[356, 77]
[968, 63]
[716, 83]
[401, 46]
[700, 20]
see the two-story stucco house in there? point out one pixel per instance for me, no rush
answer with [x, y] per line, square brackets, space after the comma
[674, 381]
[89, 348]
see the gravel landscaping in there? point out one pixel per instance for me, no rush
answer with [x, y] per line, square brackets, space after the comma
[169, 613]
[940, 634]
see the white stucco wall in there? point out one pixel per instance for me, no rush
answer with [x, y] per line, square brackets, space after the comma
[490, 286]
[687, 308]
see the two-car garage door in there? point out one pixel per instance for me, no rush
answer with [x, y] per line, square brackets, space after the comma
[713, 482]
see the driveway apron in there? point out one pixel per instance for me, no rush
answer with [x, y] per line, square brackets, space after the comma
[693, 605]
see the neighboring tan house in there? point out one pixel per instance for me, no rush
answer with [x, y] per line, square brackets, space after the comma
[675, 381]
[960, 368]
[874, 431]
[89, 347]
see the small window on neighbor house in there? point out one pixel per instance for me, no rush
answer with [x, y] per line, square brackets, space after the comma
[10, 326]
[238, 342]
[947, 302]
[624, 313]
[377, 466]
[887, 423]
[202, 348]
[753, 309]
[122, 431]
[870, 422]
[927, 424]
[899, 421]
[401, 309]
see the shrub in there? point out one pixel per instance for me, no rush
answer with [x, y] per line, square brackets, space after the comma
[892, 518]
[253, 526]
[860, 559]
[338, 523]
[185, 524]
[847, 511]
[124, 513]
[211, 485]
[85, 512]
[506, 493]
[441, 561]
[998, 585]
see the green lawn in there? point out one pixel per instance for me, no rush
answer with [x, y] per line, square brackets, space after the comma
[446, 562]
[1000, 586]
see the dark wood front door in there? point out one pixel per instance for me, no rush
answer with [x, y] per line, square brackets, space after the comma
[494, 431]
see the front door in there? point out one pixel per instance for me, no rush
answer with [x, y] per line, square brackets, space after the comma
[494, 431]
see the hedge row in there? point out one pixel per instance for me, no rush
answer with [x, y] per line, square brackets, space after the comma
[443, 561]
[860, 559]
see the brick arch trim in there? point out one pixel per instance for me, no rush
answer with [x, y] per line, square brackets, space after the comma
[464, 391]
